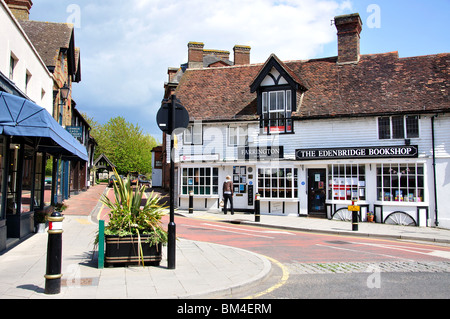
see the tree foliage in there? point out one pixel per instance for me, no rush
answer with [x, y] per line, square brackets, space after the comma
[124, 144]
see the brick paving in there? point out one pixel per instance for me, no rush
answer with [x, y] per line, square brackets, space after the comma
[363, 267]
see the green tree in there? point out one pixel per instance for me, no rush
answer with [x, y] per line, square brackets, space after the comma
[124, 144]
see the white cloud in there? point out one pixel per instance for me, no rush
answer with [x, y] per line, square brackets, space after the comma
[127, 46]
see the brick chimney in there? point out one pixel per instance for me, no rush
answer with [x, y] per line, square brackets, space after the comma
[349, 29]
[20, 8]
[241, 54]
[195, 55]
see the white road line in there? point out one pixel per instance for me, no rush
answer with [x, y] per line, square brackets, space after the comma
[229, 231]
[251, 230]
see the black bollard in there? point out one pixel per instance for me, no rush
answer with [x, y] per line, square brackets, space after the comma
[54, 255]
[257, 209]
[355, 210]
[191, 202]
[355, 221]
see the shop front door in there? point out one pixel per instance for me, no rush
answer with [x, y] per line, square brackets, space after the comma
[317, 192]
[243, 181]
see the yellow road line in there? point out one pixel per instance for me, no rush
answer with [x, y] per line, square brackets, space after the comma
[283, 280]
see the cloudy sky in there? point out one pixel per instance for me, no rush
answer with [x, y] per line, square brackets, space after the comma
[127, 46]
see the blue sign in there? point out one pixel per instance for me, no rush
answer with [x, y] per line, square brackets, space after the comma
[76, 131]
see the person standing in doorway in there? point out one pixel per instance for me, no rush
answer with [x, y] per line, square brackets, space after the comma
[228, 195]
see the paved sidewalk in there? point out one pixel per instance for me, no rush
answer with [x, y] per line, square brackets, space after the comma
[201, 268]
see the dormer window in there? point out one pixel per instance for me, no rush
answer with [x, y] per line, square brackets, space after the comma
[276, 86]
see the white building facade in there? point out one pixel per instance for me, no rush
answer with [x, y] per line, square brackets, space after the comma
[20, 63]
[312, 137]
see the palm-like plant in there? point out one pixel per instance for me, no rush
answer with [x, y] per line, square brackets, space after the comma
[128, 217]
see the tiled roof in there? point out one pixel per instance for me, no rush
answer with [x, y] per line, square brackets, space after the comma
[48, 38]
[378, 84]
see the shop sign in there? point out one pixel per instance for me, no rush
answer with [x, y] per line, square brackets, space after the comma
[407, 151]
[261, 153]
[75, 131]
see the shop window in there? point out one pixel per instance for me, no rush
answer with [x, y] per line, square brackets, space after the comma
[346, 182]
[193, 135]
[276, 112]
[38, 178]
[200, 180]
[237, 135]
[27, 179]
[13, 187]
[278, 183]
[400, 183]
[398, 127]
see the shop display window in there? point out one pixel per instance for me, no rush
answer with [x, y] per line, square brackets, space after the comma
[400, 183]
[347, 182]
[200, 180]
[278, 183]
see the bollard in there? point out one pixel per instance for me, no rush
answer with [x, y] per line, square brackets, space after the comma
[191, 202]
[54, 254]
[257, 209]
[101, 244]
[355, 210]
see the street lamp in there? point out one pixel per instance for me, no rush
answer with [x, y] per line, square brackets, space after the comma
[64, 91]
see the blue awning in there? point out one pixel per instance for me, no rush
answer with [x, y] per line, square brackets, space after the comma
[21, 117]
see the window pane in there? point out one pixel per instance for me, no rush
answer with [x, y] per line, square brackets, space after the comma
[280, 101]
[288, 101]
[412, 126]
[188, 135]
[398, 129]
[197, 136]
[272, 101]
[384, 128]
[233, 139]
[265, 108]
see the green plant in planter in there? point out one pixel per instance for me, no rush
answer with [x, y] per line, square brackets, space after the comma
[40, 217]
[60, 207]
[128, 217]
